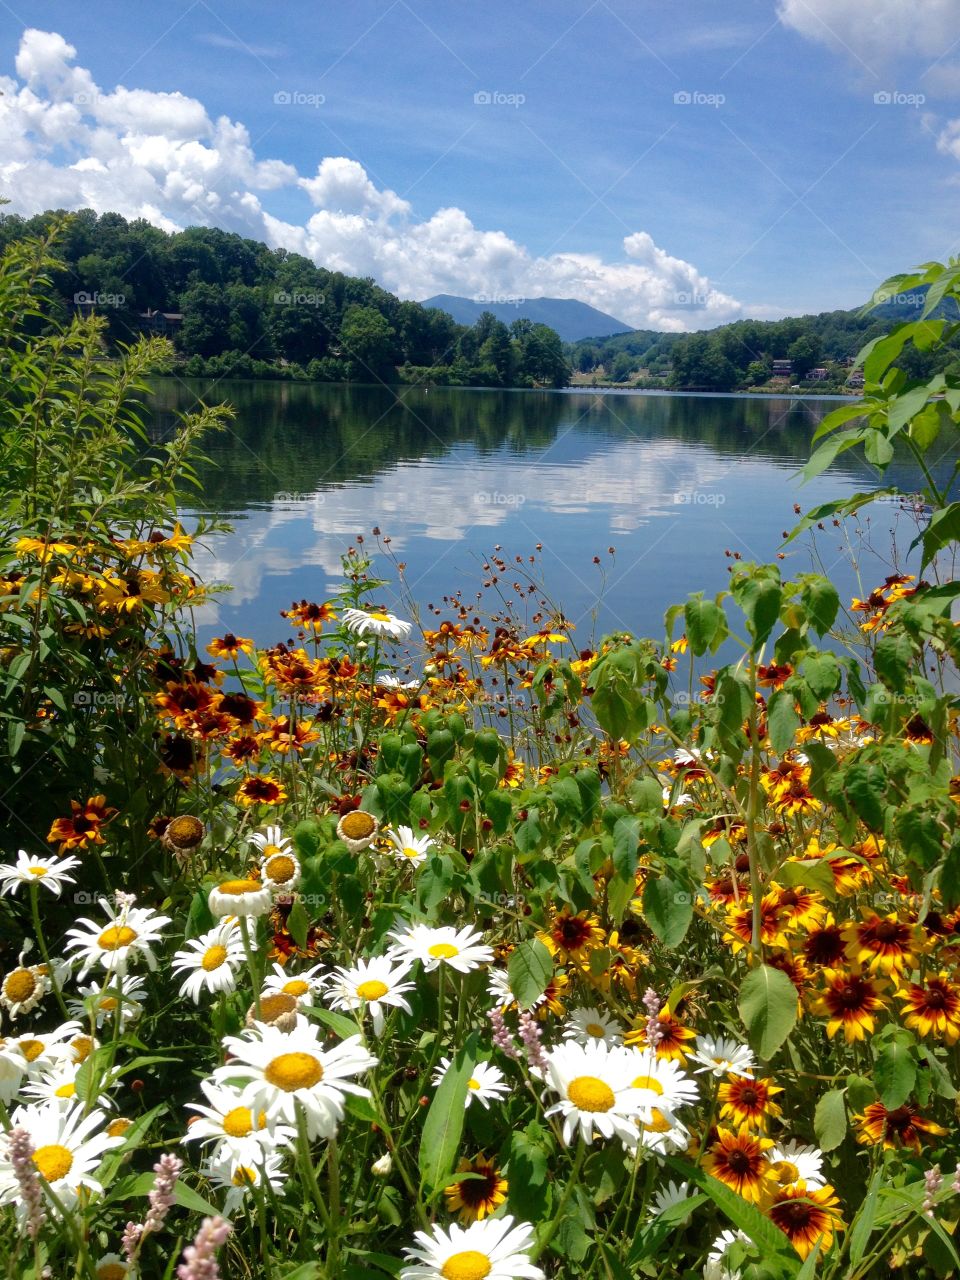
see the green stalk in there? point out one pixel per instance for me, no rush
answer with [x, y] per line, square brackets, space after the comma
[41, 943]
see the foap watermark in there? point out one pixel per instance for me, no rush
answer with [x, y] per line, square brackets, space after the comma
[284, 299]
[894, 98]
[292, 495]
[689, 298]
[98, 299]
[500, 299]
[493, 498]
[697, 98]
[298, 98]
[89, 98]
[96, 698]
[496, 98]
[698, 498]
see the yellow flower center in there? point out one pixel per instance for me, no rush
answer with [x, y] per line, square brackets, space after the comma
[372, 990]
[379, 616]
[473, 1084]
[185, 832]
[68, 1090]
[274, 1006]
[82, 1048]
[587, 1093]
[107, 1003]
[243, 1176]
[237, 888]
[19, 985]
[213, 958]
[292, 1071]
[468, 1265]
[410, 852]
[442, 950]
[281, 868]
[117, 1128]
[53, 1161]
[117, 936]
[657, 1123]
[358, 825]
[38, 871]
[649, 1083]
[296, 987]
[111, 1271]
[594, 1029]
[786, 1172]
[31, 1049]
[238, 1122]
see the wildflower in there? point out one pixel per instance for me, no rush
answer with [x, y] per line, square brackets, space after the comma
[461, 949]
[200, 1261]
[383, 1167]
[211, 960]
[376, 622]
[806, 1216]
[722, 1056]
[932, 1182]
[671, 1042]
[850, 1000]
[408, 847]
[183, 833]
[357, 830]
[117, 996]
[662, 1087]
[792, 1163]
[304, 987]
[28, 869]
[574, 936]
[530, 1035]
[226, 1120]
[278, 1070]
[586, 1025]
[902, 1127]
[479, 1196]
[746, 1100]
[21, 1153]
[485, 1085]
[739, 1159]
[595, 1088]
[372, 985]
[933, 1008]
[494, 1249]
[669, 1197]
[129, 936]
[279, 1010]
[237, 1177]
[161, 1197]
[23, 988]
[280, 868]
[84, 825]
[716, 1267]
[239, 897]
[230, 646]
[309, 616]
[260, 788]
[824, 945]
[502, 1038]
[68, 1146]
[883, 944]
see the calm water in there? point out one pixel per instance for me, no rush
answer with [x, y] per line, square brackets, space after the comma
[669, 482]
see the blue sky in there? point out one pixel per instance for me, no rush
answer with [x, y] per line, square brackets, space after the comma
[783, 185]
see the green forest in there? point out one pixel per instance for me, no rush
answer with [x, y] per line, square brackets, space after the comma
[236, 307]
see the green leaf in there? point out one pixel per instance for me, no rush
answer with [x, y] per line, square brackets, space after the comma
[443, 1126]
[821, 603]
[862, 1226]
[895, 1073]
[893, 659]
[782, 720]
[704, 620]
[529, 971]
[943, 529]
[667, 909]
[866, 788]
[626, 838]
[822, 673]
[830, 1120]
[768, 1007]
[298, 922]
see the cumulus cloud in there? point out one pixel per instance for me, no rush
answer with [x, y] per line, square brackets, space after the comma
[881, 30]
[65, 142]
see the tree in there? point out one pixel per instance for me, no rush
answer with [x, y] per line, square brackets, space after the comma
[805, 353]
[368, 342]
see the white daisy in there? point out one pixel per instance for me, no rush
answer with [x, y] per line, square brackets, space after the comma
[357, 830]
[498, 986]
[674, 1193]
[715, 1267]
[239, 897]
[280, 868]
[722, 1055]
[12, 1070]
[664, 1086]
[493, 1249]
[376, 622]
[304, 986]
[59, 1085]
[233, 1127]
[589, 1025]
[39, 1051]
[67, 1149]
[461, 949]
[595, 1088]
[110, 1266]
[374, 985]
[408, 847]
[24, 987]
[211, 961]
[127, 937]
[277, 1069]
[387, 680]
[790, 1163]
[486, 1085]
[29, 869]
[115, 997]
[80, 1047]
[272, 840]
[238, 1176]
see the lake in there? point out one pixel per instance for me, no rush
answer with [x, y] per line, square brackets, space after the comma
[670, 482]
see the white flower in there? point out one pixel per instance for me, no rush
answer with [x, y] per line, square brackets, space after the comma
[127, 937]
[663, 1086]
[461, 949]
[59, 1085]
[29, 869]
[271, 841]
[792, 1163]
[211, 961]
[372, 984]
[357, 830]
[382, 1168]
[110, 1266]
[387, 680]
[240, 897]
[672, 1194]
[39, 1051]
[234, 1128]
[278, 1069]
[493, 1249]
[721, 1055]
[24, 987]
[304, 986]
[589, 1025]
[595, 1087]
[67, 1149]
[408, 847]
[498, 986]
[115, 997]
[238, 1176]
[486, 1084]
[376, 622]
[280, 868]
[715, 1267]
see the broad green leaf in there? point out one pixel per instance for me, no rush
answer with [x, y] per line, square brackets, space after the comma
[830, 1120]
[667, 909]
[768, 1007]
[704, 620]
[529, 970]
[895, 1073]
[782, 720]
[821, 603]
[944, 528]
[861, 1228]
[443, 1126]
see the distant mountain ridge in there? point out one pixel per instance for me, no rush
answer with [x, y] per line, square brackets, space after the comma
[572, 319]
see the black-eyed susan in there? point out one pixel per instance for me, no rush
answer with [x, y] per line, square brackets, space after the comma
[84, 826]
[675, 1040]
[572, 936]
[475, 1198]
[850, 1000]
[825, 946]
[748, 1101]
[739, 1159]
[807, 1216]
[933, 1008]
[902, 1127]
[260, 788]
[230, 646]
[884, 944]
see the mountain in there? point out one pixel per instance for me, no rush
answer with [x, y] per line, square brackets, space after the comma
[573, 320]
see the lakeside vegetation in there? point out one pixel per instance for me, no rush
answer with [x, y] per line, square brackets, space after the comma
[441, 948]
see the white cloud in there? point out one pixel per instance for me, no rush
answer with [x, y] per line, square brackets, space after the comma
[879, 29]
[67, 143]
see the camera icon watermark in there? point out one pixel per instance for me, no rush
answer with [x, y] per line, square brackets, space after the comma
[894, 98]
[494, 498]
[696, 98]
[284, 299]
[495, 98]
[98, 299]
[298, 98]
[698, 498]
